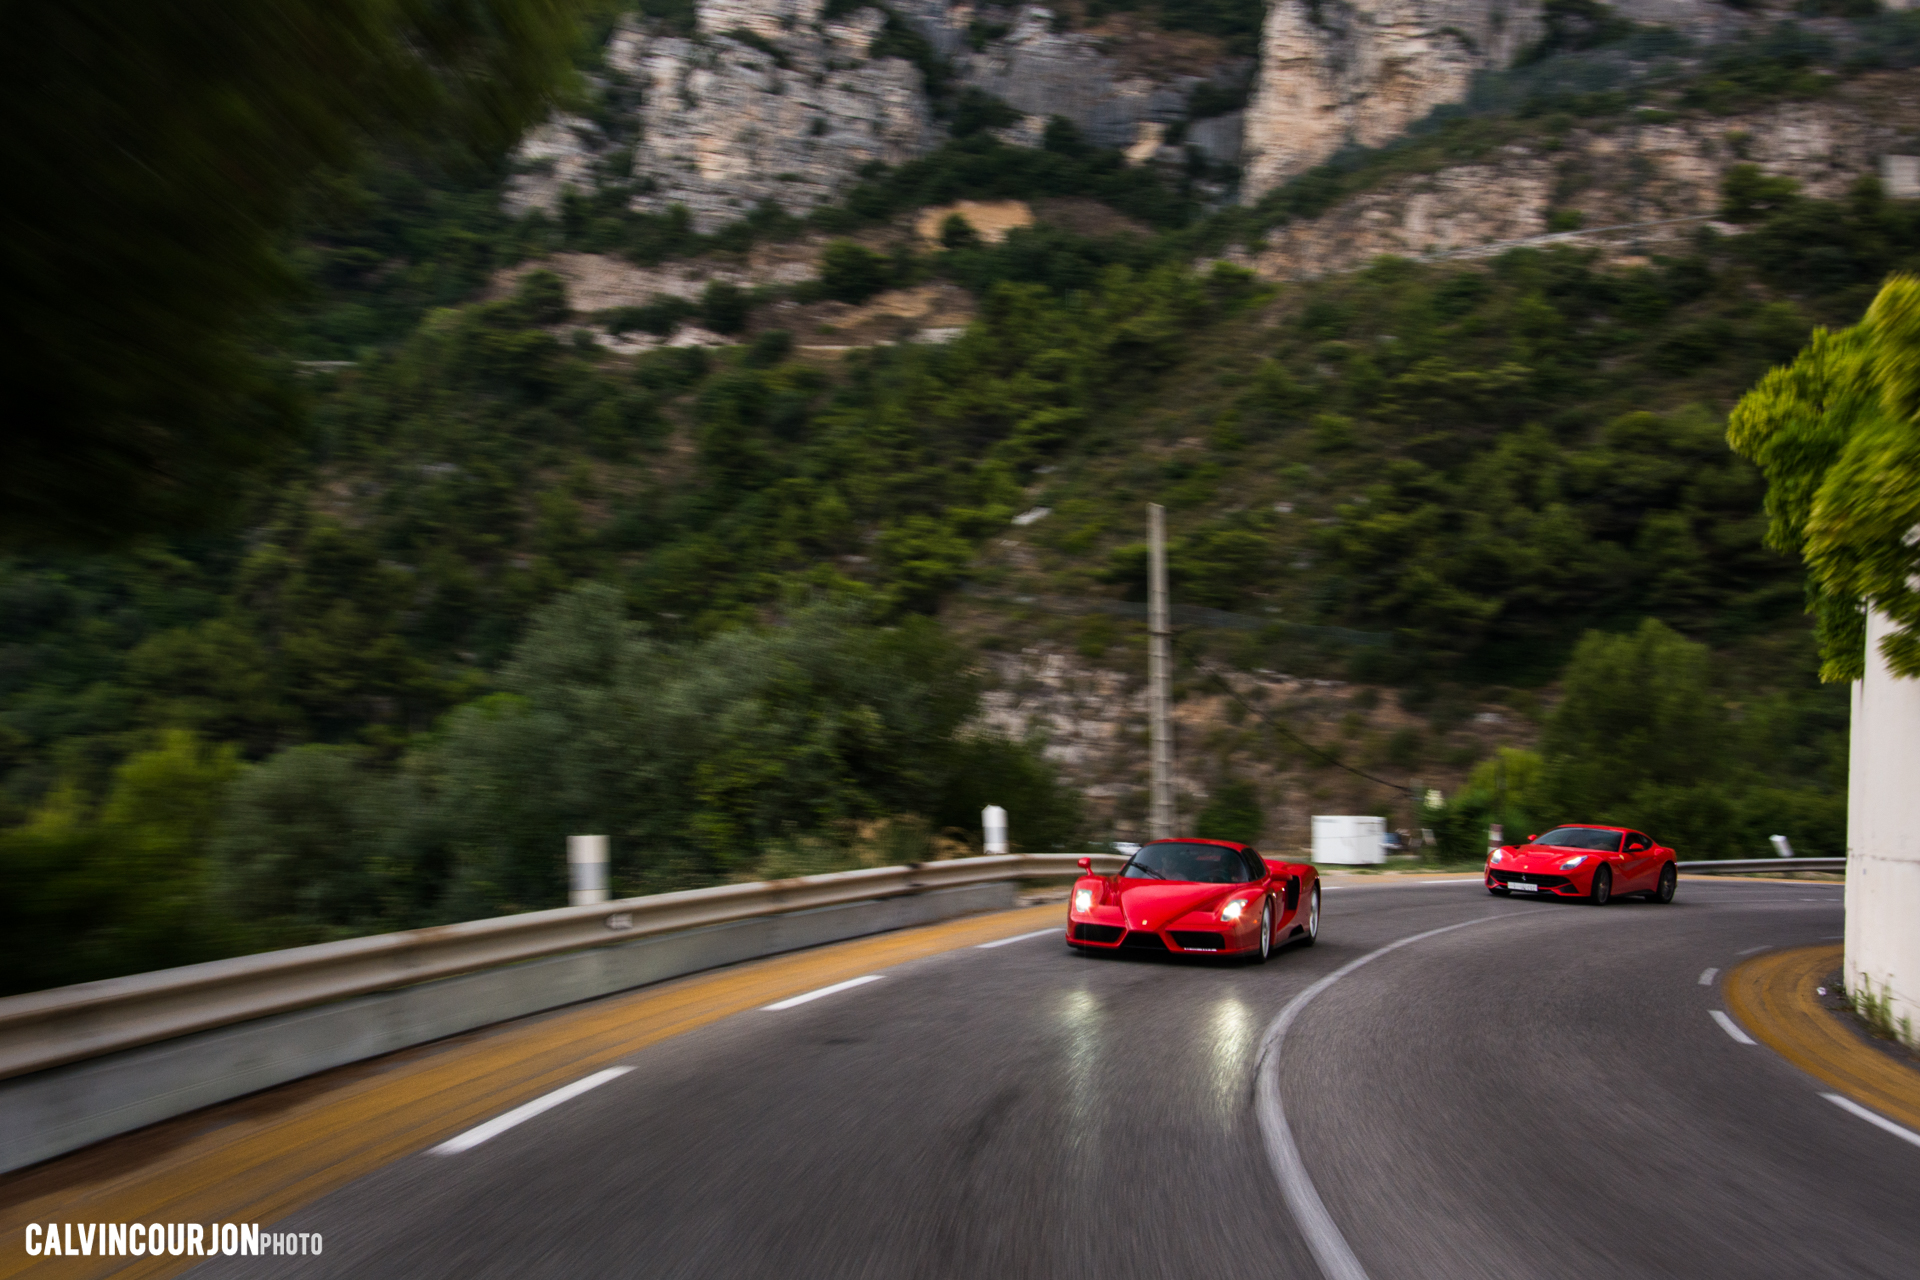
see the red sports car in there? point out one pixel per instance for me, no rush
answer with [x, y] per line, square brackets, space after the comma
[1195, 897]
[1594, 863]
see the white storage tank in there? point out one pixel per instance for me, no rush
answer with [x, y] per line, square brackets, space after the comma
[1348, 840]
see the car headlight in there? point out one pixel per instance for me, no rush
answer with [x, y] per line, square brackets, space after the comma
[1083, 900]
[1233, 910]
[1499, 855]
[1571, 863]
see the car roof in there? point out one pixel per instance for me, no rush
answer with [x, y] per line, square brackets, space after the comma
[1592, 826]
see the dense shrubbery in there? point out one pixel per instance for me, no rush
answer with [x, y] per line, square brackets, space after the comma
[795, 747]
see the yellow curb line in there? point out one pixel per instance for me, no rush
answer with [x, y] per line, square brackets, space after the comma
[1773, 997]
[266, 1160]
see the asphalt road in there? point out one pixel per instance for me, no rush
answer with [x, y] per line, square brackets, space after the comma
[1541, 1092]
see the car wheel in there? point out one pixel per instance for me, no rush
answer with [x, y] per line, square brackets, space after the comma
[1602, 888]
[1669, 881]
[1312, 934]
[1266, 933]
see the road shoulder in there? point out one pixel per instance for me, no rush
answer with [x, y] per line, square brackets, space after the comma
[1775, 997]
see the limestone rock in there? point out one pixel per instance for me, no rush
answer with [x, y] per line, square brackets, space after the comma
[552, 157]
[729, 124]
[1334, 72]
[1636, 189]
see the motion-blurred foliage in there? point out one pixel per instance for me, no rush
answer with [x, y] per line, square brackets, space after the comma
[166, 145]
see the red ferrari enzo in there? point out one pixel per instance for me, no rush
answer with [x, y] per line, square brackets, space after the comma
[1594, 863]
[1195, 897]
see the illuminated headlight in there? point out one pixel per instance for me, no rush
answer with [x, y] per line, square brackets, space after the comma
[1499, 855]
[1083, 900]
[1571, 863]
[1233, 910]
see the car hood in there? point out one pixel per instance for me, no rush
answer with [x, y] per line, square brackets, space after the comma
[1542, 858]
[1154, 904]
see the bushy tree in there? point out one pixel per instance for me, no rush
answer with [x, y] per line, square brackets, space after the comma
[1837, 434]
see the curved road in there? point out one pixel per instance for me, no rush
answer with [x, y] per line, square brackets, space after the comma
[1541, 1092]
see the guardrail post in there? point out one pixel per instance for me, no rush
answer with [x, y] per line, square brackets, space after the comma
[586, 870]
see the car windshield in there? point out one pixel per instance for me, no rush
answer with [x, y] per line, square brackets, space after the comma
[1205, 863]
[1582, 838]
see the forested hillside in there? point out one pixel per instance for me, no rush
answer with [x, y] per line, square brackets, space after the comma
[729, 603]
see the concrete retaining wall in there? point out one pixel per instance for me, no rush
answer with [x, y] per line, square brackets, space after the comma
[1883, 836]
[49, 1113]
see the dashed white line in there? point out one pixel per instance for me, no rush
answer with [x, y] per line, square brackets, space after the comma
[1329, 1247]
[1871, 1117]
[501, 1123]
[1056, 931]
[1732, 1028]
[850, 983]
[1706, 978]
[1750, 950]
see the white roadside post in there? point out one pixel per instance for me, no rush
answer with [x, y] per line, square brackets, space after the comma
[993, 820]
[586, 870]
[1781, 849]
[1883, 837]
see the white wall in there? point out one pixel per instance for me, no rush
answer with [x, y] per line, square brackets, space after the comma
[1883, 835]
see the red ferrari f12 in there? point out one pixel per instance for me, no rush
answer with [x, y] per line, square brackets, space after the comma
[1593, 863]
[1196, 897]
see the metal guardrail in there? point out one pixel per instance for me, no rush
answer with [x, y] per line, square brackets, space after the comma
[1735, 866]
[44, 1029]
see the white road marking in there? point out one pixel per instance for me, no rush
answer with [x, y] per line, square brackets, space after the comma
[791, 1001]
[1329, 1247]
[1750, 950]
[1003, 942]
[501, 1123]
[1706, 978]
[1871, 1117]
[1730, 1027]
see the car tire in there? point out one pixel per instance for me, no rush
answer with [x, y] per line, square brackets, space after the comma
[1266, 934]
[1600, 890]
[1669, 883]
[1312, 935]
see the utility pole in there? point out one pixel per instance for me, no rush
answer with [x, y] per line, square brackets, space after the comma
[1159, 674]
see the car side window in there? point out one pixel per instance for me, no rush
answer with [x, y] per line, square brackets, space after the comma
[1256, 867]
[1637, 843]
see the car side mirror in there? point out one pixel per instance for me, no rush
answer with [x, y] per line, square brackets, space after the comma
[1533, 837]
[1086, 865]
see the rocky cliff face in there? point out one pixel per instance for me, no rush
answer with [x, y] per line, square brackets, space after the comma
[1335, 72]
[1633, 189]
[769, 100]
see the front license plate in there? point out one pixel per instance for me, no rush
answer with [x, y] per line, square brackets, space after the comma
[1517, 887]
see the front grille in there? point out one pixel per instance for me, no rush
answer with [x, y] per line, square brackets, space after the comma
[1530, 877]
[1189, 941]
[1143, 941]
[1097, 932]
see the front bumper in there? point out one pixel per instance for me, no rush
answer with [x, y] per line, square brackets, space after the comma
[1202, 940]
[1565, 884]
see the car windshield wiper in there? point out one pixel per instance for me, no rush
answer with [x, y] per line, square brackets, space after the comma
[1142, 867]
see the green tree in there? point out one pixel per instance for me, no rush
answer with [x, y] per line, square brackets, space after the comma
[1837, 434]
